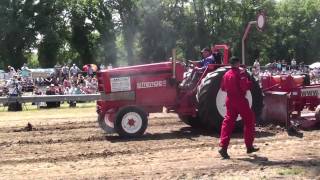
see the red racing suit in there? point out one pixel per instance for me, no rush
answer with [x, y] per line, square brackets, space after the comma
[236, 83]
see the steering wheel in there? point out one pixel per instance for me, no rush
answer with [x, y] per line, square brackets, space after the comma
[191, 64]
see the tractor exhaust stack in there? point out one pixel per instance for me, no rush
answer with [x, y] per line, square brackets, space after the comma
[174, 63]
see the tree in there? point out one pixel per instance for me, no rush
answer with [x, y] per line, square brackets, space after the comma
[17, 31]
[51, 28]
[92, 32]
[81, 29]
[128, 12]
[297, 30]
[100, 14]
[86, 31]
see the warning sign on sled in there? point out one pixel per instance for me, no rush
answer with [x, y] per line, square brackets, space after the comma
[310, 92]
[120, 84]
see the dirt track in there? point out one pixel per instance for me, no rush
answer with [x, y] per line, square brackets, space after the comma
[71, 148]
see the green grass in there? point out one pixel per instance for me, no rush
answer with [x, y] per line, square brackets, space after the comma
[65, 105]
[292, 171]
[31, 112]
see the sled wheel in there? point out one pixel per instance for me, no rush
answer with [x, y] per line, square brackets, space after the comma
[131, 121]
[211, 100]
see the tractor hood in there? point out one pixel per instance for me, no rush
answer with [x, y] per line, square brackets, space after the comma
[125, 76]
[155, 68]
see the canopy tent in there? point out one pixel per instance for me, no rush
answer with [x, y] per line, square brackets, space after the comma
[2, 74]
[41, 72]
[93, 66]
[315, 65]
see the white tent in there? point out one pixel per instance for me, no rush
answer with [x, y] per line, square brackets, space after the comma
[41, 72]
[315, 65]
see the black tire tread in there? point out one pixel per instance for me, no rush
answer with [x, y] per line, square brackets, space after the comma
[206, 98]
[102, 123]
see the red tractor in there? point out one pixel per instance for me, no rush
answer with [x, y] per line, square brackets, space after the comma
[129, 94]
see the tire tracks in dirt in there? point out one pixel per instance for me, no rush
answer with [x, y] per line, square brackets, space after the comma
[60, 130]
[105, 154]
[114, 139]
[143, 148]
[171, 139]
[80, 125]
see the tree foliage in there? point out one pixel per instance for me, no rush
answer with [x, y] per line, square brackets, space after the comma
[143, 31]
[16, 30]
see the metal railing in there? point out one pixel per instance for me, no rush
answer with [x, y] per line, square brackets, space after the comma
[50, 98]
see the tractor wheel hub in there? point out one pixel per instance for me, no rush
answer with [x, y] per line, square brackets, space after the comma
[131, 122]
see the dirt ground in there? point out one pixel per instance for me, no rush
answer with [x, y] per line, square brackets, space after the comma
[75, 148]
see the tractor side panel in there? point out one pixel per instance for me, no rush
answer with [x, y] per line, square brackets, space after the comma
[155, 90]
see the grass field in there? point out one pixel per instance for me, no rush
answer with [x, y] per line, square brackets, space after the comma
[31, 114]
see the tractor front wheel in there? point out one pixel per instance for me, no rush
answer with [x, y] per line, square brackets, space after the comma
[102, 121]
[131, 121]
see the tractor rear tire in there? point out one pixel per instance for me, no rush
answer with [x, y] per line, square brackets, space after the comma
[209, 107]
[191, 121]
[317, 114]
[131, 121]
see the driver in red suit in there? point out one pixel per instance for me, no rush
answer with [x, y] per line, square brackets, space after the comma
[236, 83]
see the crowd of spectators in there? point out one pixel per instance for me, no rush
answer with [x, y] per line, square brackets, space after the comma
[63, 80]
[282, 67]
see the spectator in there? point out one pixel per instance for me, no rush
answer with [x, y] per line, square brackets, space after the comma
[55, 80]
[15, 89]
[66, 83]
[256, 68]
[12, 71]
[25, 71]
[90, 71]
[80, 80]
[57, 70]
[40, 81]
[283, 66]
[74, 70]
[48, 80]
[90, 86]
[14, 86]
[51, 90]
[75, 89]
[37, 91]
[65, 72]
[86, 84]
[293, 64]
[278, 64]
